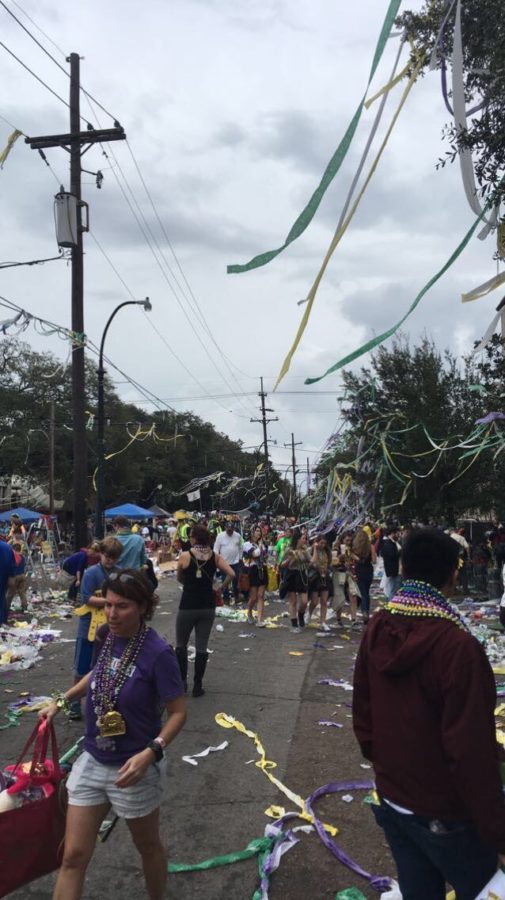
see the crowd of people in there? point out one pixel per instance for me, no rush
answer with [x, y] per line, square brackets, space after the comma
[424, 694]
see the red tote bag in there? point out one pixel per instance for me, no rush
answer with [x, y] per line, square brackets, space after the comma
[31, 836]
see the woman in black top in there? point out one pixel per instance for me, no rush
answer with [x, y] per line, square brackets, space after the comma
[196, 569]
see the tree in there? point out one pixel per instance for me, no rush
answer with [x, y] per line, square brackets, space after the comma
[408, 403]
[145, 449]
[483, 27]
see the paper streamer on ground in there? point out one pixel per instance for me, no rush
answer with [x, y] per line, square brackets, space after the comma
[270, 860]
[376, 341]
[306, 216]
[266, 765]
[258, 845]
[377, 882]
[192, 760]
[341, 231]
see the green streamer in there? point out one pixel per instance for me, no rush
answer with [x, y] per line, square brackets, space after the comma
[374, 342]
[254, 848]
[350, 894]
[70, 753]
[12, 720]
[306, 216]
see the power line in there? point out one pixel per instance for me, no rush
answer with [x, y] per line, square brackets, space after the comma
[37, 77]
[195, 305]
[51, 57]
[168, 346]
[148, 235]
[162, 405]
[62, 52]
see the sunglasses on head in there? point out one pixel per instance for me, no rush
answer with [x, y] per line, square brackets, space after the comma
[123, 577]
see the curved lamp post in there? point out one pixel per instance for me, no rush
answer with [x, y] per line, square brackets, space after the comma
[99, 523]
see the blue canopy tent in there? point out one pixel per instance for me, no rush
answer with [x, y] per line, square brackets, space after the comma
[130, 510]
[26, 515]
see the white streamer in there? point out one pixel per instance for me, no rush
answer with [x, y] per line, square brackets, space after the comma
[460, 120]
[488, 335]
[192, 760]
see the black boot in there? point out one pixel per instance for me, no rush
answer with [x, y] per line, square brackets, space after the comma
[182, 659]
[200, 666]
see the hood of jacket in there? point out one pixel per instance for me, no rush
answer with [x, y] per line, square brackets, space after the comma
[398, 643]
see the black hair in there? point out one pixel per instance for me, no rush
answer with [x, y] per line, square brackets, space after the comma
[295, 538]
[430, 555]
[201, 535]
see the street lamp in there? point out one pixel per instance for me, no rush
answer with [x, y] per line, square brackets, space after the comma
[99, 524]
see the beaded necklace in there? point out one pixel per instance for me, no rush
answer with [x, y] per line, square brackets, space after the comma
[417, 598]
[107, 683]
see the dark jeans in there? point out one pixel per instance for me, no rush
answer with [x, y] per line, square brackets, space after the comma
[364, 578]
[425, 859]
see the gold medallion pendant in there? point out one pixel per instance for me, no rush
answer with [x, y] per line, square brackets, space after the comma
[198, 573]
[112, 724]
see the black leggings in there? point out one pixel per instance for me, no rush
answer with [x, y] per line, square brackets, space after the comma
[199, 619]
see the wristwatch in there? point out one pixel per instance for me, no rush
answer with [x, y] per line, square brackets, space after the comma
[157, 749]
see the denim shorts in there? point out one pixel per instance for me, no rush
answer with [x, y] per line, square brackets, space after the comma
[90, 783]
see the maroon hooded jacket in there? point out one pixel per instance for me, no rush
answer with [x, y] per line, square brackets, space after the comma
[423, 713]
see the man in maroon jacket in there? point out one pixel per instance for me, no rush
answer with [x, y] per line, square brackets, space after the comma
[423, 713]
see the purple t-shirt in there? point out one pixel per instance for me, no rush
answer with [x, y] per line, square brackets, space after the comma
[154, 680]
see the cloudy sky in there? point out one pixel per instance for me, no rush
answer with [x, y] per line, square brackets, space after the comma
[232, 110]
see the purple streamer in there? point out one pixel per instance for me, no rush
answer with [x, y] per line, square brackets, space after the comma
[377, 882]
[491, 417]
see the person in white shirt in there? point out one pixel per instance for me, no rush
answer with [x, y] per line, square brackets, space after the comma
[228, 545]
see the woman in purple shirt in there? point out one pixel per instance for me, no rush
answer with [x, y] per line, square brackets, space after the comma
[136, 675]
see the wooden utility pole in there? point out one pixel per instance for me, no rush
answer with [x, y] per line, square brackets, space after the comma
[293, 466]
[264, 421]
[80, 473]
[76, 142]
[51, 459]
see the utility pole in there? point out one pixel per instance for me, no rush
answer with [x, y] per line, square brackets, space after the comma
[76, 142]
[51, 458]
[308, 475]
[293, 465]
[264, 421]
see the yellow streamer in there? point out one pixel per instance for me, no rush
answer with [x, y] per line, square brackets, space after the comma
[11, 140]
[484, 289]
[266, 765]
[340, 233]
[389, 86]
[139, 435]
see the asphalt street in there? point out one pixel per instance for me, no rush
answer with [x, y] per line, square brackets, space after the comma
[218, 806]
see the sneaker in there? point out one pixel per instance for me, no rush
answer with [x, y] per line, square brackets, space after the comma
[296, 630]
[250, 619]
[324, 627]
[261, 625]
[356, 626]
